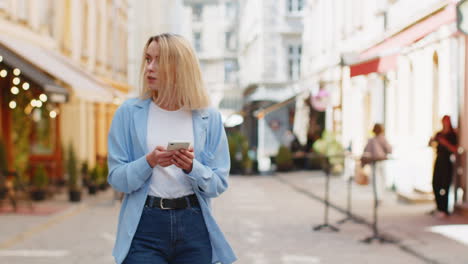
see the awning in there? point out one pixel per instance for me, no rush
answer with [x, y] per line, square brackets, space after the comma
[260, 113]
[415, 32]
[84, 85]
[378, 65]
[35, 75]
[382, 57]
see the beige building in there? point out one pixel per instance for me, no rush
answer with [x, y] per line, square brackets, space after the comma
[75, 53]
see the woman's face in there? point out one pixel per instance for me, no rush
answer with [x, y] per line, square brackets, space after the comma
[446, 122]
[151, 69]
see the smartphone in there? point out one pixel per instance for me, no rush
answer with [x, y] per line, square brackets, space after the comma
[176, 145]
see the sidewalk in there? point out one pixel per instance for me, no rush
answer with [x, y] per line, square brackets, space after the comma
[17, 226]
[431, 239]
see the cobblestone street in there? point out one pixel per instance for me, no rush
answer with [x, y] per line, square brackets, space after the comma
[268, 219]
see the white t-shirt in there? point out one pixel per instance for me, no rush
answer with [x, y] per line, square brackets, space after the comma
[165, 126]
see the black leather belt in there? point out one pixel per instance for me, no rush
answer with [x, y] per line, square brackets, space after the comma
[177, 203]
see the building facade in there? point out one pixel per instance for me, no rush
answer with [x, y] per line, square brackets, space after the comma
[270, 52]
[72, 55]
[391, 62]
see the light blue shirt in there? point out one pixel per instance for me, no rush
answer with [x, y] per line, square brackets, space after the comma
[129, 172]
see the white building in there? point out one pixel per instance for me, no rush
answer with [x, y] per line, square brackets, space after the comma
[211, 27]
[270, 47]
[149, 18]
[214, 32]
[400, 66]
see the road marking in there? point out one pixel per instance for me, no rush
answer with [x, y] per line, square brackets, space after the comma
[34, 253]
[39, 228]
[296, 259]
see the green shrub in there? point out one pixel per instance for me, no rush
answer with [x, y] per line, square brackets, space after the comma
[72, 169]
[330, 148]
[284, 159]
[40, 180]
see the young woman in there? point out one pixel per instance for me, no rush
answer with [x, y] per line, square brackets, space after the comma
[446, 140]
[166, 216]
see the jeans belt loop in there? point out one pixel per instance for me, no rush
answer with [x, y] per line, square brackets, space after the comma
[189, 205]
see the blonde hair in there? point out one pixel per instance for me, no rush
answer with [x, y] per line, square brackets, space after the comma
[179, 74]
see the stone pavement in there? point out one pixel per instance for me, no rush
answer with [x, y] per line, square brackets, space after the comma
[421, 235]
[267, 219]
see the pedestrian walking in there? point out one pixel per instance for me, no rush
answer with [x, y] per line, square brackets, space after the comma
[165, 216]
[377, 150]
[446, 143]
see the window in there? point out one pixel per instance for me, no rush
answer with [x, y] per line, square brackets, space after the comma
[197, 41]
[230, 71]
[294, 61]
[197, 12]
[230, 10]
[230, 41]
[295, 5]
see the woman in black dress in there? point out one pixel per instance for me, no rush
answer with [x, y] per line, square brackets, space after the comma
[446, 140]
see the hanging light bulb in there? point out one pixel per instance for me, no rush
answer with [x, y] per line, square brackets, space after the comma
[25, 86]
[53, 114]
[43, 98]
[33, 102]
[1, 58]
[38, 103]
[16, 81]
[14, 90]
[12, 104]
[3, 73]
[16, 71]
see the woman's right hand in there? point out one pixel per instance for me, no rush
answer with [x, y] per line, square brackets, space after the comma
[159, 156]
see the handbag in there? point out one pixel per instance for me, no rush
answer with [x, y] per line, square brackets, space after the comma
[361, 174]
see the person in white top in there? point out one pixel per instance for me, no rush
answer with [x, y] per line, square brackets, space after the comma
[377, 150]
[165, 217]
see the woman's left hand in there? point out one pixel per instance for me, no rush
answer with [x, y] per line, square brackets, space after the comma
[184, 159]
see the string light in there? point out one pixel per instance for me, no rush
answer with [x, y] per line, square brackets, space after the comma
[12, 104]
[1, 58]
[3, 73]
[38, 103]
[16, 81]
[25, 86]
[53, 114]
[33, 102]
[14, 90]
[43, 97]
[16, 71]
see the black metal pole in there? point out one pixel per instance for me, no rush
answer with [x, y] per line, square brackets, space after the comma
[375, 231]
[327, 204]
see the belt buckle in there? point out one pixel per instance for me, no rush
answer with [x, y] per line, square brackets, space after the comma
[161, 205]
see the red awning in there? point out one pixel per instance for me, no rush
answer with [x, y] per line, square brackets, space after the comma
[405, 37]
[378, 65]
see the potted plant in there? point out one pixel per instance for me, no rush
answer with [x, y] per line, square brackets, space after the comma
[92, 180]
[331, 150]
[247, 163]
[104, 173]
[74, 186]
[284, 159]
[40, 182]
[234, 141]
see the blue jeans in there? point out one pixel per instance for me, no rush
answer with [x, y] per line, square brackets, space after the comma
[170, 237]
